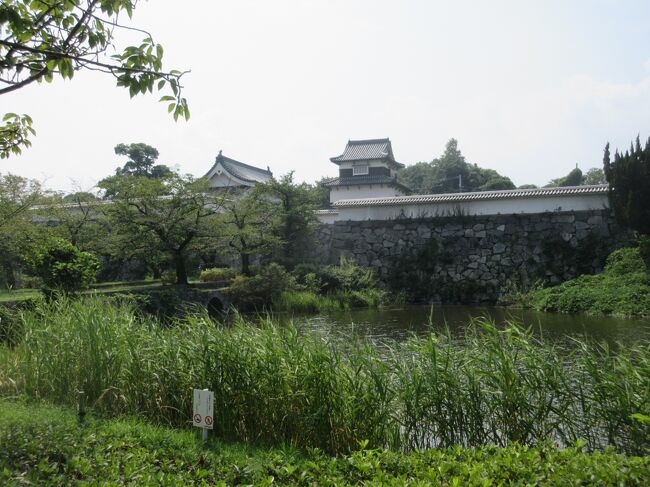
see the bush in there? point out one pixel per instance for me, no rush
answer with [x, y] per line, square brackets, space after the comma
[644, 250]
[168, 277]
[310, 302]
[259, 291]
[217, 274]
[623, 289]
[63, 267]
[348, 275]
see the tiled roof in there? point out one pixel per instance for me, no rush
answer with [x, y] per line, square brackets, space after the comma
[362, 150]
[355, 180]
[240, 170]
[422, 199]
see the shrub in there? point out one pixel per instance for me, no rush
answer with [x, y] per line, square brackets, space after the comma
[348, 275]
[63, 267]
[259, 291]
[168, 277]
[214, 274]
[644, 250]
[624, 261]
[623, 288]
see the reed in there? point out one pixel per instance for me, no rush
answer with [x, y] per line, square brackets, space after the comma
[278, 384]
[342, 299]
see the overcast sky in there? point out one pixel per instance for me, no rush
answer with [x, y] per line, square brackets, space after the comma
[529, 88]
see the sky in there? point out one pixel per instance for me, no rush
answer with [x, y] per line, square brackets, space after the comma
[528, 88]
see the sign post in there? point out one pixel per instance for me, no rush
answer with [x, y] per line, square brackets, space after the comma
[202, 416]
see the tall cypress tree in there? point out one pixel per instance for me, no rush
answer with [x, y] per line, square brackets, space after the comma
[629, 190]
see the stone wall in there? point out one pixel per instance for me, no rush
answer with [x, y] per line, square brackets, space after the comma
[475, 259]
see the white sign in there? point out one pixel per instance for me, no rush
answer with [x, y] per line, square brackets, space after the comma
[203, 408]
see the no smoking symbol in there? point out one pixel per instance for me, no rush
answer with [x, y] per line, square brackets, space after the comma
[197, 418]
[208, 420]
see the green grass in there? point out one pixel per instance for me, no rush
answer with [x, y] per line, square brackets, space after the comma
[279, 385]
[309, 302]
[46, 445]
[622, 289]
[8, 296]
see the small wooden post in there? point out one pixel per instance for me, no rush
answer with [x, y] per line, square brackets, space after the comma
[81, 397]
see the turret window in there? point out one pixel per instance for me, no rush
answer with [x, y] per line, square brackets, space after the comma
[360, 170]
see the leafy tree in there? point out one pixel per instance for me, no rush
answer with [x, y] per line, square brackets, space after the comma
[17, 196]
[41, 39]
[629, 186]
[141, 162]
[251, 226]
[321, 193]
[297, 220]
[574, 178]
[76, 218]
[80, 197]
[62, 266]
[451, 173]
[14, 134]
[173, 211]
[527, 186]
[499, 183]
[595, 175]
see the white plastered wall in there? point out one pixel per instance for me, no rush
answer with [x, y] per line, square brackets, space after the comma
[490, 207]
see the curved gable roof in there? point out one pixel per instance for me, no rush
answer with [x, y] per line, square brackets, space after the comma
[240, 170]
[369, 149]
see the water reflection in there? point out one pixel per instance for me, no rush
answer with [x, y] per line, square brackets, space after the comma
[397, 323]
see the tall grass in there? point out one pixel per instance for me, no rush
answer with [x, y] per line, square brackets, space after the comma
[342, 299]
[277, 384]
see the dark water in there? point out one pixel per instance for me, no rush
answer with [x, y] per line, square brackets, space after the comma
[400, 322]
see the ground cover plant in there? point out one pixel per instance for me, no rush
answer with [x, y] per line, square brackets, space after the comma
[623, 289]
[277, 384]
[46, 445]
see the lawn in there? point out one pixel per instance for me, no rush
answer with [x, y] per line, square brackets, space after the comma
[8, 296]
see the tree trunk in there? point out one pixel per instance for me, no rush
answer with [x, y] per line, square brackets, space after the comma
[181, 272]
[9, 274]
[156, 271]
[245, 263]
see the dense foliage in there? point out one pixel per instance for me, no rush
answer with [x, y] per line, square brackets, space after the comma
[574, 178]
[251, 226]
[168, 214]
[280, 385]
[450, 173]
[319, 288]
[629, 179]
[141, 161]
[214, 274]
[62, 266]
[294, 209]
[59, 451]
[257, 292]
[17, 196]
[623, 288]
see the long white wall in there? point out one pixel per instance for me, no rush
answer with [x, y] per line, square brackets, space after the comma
[542, 204]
